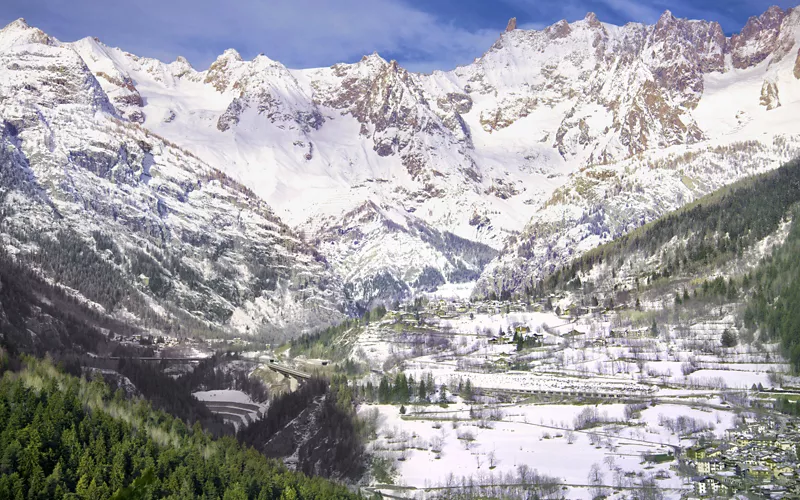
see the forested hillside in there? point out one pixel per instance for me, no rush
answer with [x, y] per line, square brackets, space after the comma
[680, 250]
[37, 317]
[775, 302]
[709, 231]
[317, 426]
[64, 437]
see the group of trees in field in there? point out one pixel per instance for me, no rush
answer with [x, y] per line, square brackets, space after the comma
[405, 389]
[64, 438]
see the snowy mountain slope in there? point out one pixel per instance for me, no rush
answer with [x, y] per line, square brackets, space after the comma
[397, 254]
[297, 140]
[602, 203]
[747, 113]
[132, 223]
[475, 152]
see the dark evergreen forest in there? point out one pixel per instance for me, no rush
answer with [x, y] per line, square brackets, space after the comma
[65, 438]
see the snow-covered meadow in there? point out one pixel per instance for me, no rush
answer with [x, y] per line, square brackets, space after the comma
[643, 395]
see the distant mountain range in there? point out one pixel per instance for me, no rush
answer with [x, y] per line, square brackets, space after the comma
[252, 198]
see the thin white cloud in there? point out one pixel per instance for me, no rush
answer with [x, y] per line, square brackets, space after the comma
[297, 32]
[305, 33]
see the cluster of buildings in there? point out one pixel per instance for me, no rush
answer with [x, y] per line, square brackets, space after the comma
[760, 457]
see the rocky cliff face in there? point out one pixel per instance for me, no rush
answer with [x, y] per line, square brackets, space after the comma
[263, 87]
[485, 154]
[759, 38]
[797, 66]
[622, 90]
[770, 98]
[393, 111]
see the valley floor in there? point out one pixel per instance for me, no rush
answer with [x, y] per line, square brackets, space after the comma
[595, 403]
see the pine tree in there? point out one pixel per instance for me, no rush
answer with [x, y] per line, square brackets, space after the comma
[384, 391]
[729, 339]
[468, 390]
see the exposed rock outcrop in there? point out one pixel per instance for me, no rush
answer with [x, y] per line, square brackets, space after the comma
[758, 39]
[769, 95]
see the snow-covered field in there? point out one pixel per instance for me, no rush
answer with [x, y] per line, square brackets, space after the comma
[532, 401]
[429, 446]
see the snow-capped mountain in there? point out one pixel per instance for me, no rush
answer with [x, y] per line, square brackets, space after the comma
[745, 109]
[556, 138]
[131, 223]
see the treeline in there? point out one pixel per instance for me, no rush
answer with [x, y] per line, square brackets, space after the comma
[322, 344]
[789, 407]
[774, 306]
[712, 230]
[404, 389]
[64, 438]
[37, 317]
[325, 343]
[174, 395]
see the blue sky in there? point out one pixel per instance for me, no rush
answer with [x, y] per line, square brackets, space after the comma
[422, 34]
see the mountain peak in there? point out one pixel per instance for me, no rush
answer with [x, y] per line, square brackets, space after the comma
[20, 23]
[759, 38]
[19, 32]
[560, 29]
[774, 10]
[512, 24]
[666, 17]
[591, 19]
[373, 59]
[218, 73]
[231, 54]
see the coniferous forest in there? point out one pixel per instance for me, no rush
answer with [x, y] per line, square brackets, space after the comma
[66, 438]
[714, 230]
[714, 227]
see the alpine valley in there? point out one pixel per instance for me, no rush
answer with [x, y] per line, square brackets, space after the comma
[254, 199]
[571, 268]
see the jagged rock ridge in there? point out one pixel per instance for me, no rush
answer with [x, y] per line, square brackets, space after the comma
[475, 152]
